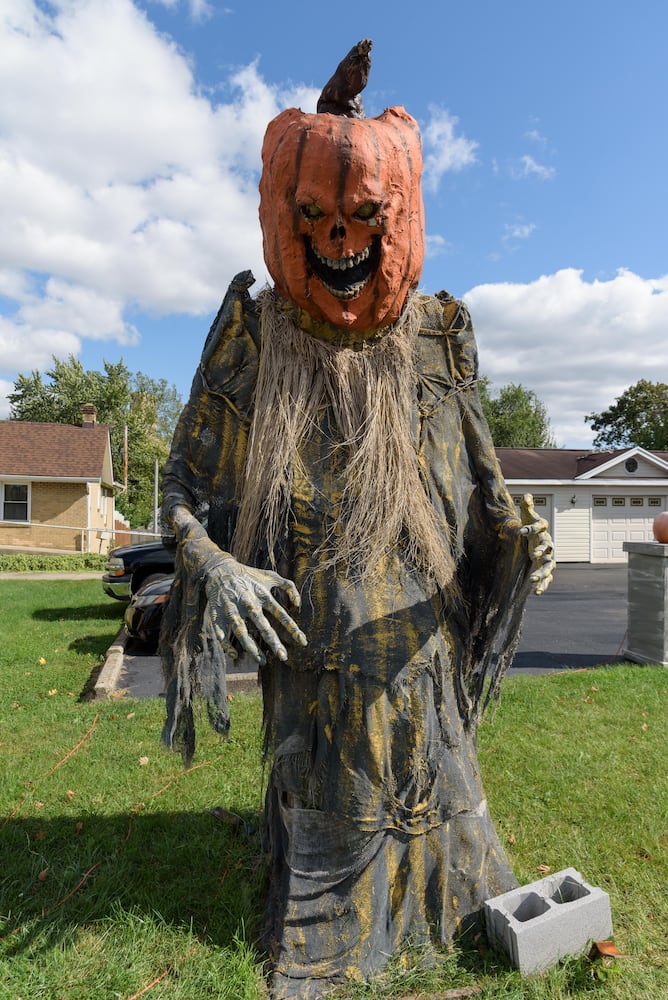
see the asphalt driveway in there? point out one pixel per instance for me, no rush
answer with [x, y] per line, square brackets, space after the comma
[580, 622]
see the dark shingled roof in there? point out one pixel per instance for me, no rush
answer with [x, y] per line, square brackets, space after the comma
[52, 451]
[556, 463]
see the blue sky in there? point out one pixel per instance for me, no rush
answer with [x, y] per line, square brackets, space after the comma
[129, 155]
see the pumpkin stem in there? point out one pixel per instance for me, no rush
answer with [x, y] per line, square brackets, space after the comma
[341, 93]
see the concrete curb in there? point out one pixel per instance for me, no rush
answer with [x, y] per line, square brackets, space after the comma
[107, 680]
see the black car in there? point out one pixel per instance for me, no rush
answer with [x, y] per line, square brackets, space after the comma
[131, 566]
[143, 614]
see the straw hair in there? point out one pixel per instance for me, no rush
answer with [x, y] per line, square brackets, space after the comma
[369, 392]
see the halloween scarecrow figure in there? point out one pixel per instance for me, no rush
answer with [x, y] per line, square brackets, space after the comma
[341, 519]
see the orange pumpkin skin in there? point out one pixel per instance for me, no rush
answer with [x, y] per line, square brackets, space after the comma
[341, 214]
[660, 527]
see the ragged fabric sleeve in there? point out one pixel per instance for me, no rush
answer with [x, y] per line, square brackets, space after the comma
[201, 487]
[484, 611]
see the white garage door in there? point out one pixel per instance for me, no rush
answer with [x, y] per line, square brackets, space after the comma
[616, 520]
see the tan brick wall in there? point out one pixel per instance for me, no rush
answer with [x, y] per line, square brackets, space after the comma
[58, 513]
[64, 504]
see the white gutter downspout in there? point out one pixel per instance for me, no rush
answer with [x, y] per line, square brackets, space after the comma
[88, 521]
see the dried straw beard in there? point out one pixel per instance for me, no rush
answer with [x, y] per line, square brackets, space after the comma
[384, 503]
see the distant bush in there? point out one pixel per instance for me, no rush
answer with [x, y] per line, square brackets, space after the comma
[41, 562]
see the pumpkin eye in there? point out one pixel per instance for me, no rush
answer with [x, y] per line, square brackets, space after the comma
[311, 212]
[366, 211]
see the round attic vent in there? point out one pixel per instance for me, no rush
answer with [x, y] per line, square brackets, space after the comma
[631, 464]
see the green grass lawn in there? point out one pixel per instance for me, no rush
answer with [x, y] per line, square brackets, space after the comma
[117, 882]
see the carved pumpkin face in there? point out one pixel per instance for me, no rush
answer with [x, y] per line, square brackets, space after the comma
[341, 214]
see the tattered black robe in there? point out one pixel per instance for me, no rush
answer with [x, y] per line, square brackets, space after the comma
[376, 820]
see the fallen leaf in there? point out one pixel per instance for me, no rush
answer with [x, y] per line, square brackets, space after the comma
[143, 760]
[42, 661]
[15, 704]
[79, 827]
[39, 835]
[69, 794]
[130, 715]
[43, 875]
[644, 727]
[52, 692]
[511, 838]
[39, 805]
[606, 949]
[593, 688]
[544, 869]
[114, 715]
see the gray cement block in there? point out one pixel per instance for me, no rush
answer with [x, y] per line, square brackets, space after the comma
[555, 917]
[647, 633]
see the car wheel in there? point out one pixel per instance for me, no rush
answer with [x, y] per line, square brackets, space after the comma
[151, 578]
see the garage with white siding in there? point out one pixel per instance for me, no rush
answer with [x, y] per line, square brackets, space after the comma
[593, 501]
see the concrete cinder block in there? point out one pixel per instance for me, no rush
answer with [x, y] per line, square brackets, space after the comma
[555, 917]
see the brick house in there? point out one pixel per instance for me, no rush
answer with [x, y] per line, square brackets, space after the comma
[56, 485]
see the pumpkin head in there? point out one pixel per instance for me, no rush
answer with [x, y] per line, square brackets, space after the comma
[341, 214]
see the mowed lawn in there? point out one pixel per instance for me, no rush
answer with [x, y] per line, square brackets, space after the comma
[116, 881]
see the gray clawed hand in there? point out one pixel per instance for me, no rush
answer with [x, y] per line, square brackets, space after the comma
[541, 547]
[238, 594]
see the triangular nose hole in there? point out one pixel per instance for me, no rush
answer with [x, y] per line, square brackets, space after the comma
[338, 232]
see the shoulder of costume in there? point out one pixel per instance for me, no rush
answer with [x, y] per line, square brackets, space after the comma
[442, 314]
[446, 334]
[236, 317]
[228, 366]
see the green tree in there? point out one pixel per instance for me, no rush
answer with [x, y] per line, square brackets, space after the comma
[638, 417]
[144, 409]
[516, 416]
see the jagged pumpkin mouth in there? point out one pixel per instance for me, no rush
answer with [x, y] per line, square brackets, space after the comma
[344, 277]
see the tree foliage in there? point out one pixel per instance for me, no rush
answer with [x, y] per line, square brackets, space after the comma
[516, 416]
[147, 407]
[638, 417]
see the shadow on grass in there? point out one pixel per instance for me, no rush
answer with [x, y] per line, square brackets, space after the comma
[543, 660]
[192, 870]
[80, 612]
[197, 875]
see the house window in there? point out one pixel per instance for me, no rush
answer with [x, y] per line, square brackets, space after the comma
[15, 502]
[537, 501]
[636, 501]
[619, 501]
[600, 501]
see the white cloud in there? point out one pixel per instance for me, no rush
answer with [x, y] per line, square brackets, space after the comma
[528, 167]
[577, 344]
[79, 310]
[199, 10]
[24, 347]
[121, 181]
[435, 245]
[445, 151]
[519, 230]
[5, 388]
